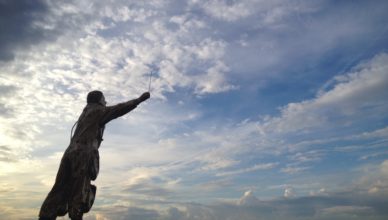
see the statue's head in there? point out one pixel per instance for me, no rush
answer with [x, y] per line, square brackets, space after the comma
[96, 97]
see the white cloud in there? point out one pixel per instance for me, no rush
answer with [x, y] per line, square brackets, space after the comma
[270, 13]
[320, 192]
[222, 10]
[384, 168]
[256, 167]
[289, 192]
[293, 169]
[50, 79]
[373, 179]
[308, 156]
[214, 81]
[122, 14]
[248, 199]
[360, 93]
[379, 133]
[374, 155]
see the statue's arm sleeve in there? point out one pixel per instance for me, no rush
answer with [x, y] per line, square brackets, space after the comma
[115, 111]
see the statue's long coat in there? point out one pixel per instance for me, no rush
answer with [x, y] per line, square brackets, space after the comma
[72, 191]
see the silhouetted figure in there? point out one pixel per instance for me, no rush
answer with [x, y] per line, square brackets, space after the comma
[72, 192]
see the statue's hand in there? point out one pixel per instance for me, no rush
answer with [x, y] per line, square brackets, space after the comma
[144, 96]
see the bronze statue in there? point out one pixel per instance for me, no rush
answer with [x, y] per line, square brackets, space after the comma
[72, 192]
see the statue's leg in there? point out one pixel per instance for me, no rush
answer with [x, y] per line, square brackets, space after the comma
[80, 185]
[56, 201]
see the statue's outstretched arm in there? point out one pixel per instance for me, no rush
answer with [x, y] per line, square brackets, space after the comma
[115, 111]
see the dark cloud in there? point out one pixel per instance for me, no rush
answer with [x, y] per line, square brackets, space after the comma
[4, 148]
[5, 92]
[18, 25]
[5, 111]
[7, 159]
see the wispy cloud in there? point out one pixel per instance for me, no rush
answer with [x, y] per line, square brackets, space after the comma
[249, 169]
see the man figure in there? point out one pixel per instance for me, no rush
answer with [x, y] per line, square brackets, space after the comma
[72, 191]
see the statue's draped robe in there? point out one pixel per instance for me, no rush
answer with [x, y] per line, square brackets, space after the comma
[73, 191]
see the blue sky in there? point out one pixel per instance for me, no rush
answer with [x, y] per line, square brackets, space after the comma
[258, 109]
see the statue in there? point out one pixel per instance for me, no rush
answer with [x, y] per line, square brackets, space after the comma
[73, 192]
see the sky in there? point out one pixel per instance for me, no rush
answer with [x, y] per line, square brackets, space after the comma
[258, 109]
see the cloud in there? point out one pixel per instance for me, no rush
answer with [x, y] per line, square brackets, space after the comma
[293, 169]
[320, 192]
[356, 94]
[307, 156]
[6, 154]
[50, 79]
[5, 111]
[286, 134]
[9, 212]
[248, 199]
[289, 192]
[223, 10]
[224, 154]
[336, 206]
[214, 81]
[268, 13]
[285, 35]
[7, 90]
[215, 185]
[265, 166]
[349, 210]
[121, 212]
[376, 182]
[373, 155]
[154, 186]
[384, 168]
[19, 22]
